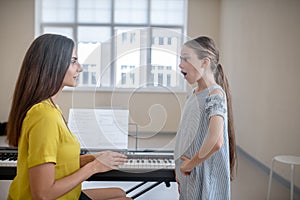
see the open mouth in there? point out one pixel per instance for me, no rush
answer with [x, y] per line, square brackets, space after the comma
[184, 73]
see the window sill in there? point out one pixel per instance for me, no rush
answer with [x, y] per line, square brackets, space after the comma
[125, 90]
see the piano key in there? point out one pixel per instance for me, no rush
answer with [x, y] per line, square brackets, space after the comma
[136, 160]
[148, 164]
[8, 157]
[148, 169]
[8, 163]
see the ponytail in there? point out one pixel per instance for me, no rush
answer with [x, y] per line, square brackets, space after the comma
[221, 80]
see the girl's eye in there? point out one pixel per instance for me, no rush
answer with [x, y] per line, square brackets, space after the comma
[183, 59]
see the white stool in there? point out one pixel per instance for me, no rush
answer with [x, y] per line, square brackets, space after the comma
[287, 159]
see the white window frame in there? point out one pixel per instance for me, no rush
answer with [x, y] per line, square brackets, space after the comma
[39, 27]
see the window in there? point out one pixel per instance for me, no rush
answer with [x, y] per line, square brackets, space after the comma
[161, 41]
[120, 43]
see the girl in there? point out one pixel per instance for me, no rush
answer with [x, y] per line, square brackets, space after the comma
[205, 143]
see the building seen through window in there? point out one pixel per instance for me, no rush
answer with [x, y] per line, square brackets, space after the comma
[120, 43]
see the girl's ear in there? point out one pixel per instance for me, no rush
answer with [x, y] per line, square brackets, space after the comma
[206, 62]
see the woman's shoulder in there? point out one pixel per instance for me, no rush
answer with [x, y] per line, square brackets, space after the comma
[43, 108]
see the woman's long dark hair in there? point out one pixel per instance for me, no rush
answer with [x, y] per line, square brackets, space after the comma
[205, 47]
[41, 76]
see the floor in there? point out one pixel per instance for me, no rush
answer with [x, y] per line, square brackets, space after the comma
[250, 184]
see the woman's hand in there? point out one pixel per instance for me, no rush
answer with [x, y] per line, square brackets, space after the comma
[44, 185]
[185, 167]
[108, 160]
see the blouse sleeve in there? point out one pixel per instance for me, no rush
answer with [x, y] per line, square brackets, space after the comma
[216, 105]
[43, 136]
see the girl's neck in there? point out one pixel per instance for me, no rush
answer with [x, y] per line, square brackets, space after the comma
[203, 84]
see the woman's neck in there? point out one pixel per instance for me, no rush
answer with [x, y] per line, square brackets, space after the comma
[54, 97]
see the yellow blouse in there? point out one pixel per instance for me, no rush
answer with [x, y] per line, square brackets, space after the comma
[45, 138]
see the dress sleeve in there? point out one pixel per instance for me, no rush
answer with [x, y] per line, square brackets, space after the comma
[216, 105]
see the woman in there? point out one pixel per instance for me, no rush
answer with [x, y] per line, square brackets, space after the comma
[205, 143]
[49, 162]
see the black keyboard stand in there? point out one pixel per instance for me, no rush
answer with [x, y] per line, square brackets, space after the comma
[155, 177]
[146, 189]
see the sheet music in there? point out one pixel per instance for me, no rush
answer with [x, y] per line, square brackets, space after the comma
[100, 128]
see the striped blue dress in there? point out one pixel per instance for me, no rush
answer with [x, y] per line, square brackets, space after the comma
[209, 180]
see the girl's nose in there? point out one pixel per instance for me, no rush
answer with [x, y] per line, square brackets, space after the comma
[180, 65]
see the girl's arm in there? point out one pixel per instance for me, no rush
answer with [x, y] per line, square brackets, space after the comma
[42, 177]
[212, 143]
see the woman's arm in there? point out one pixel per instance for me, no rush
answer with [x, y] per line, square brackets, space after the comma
[86, 158]
[42, 177]
[44, 186]
[212, 143]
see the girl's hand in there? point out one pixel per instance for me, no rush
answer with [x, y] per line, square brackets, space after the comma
[185, 168]
[108, 160]
[177, 181]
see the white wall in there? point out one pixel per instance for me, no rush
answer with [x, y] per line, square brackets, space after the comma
[204, 19]
[16, 34]
[261, 48]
